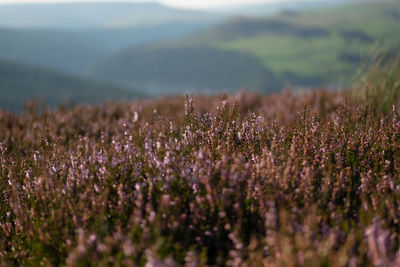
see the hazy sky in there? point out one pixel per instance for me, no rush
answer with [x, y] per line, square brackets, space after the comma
[176, 3]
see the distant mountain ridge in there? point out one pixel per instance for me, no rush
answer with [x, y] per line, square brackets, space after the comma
[72, 37]
[47, 50]
[75, 52]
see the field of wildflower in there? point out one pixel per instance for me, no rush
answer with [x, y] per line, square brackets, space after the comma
[291, 179]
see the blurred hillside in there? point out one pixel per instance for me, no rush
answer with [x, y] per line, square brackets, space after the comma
[321, 47]
[71, 37]
[20, 83]
[154, 49]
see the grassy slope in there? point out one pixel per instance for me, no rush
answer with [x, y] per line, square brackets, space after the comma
[19, 83]
[175, 70]
[320, 56]
[319, 47]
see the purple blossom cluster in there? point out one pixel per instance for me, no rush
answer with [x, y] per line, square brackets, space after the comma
[239, 180]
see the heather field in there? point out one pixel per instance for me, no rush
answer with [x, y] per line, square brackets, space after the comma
[290, 179]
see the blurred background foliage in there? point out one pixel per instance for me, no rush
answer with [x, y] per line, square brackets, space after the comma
[148, 49]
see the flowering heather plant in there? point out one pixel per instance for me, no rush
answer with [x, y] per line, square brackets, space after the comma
[240, 180]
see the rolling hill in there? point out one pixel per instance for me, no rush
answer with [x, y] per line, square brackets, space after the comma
[313, 48]
[179, 70]
[19, 83]
[76, 52]
[72, 37]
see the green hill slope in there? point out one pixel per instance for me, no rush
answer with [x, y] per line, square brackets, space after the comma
[172, 70]
[313, 48]
[19, 83]
[321, 46]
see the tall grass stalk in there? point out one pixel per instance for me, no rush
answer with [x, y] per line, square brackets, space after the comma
[378, 81]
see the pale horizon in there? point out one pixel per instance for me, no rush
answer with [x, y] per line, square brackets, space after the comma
[194, 4]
